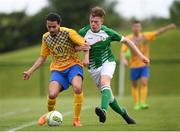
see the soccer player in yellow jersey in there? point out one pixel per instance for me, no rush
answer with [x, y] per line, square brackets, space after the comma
[138, 69]
[66, 68]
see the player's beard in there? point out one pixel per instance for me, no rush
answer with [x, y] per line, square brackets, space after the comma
[53, 33]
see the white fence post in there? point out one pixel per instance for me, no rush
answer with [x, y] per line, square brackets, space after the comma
[121, 83]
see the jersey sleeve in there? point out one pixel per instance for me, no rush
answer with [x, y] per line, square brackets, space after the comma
[76, 38]
[44, 49]
[84, 30]
[115, 36]
[150, 35]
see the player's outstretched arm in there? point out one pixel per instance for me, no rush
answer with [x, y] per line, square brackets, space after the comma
[166, 28]
[36, 65]
[135, 49]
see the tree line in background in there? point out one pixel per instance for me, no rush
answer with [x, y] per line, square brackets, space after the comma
[19, 30]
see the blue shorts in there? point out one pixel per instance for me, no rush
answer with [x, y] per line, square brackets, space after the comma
[65, 77]
[137, 73]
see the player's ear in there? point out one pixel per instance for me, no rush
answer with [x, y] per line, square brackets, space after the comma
[102, 20]
[46, 25]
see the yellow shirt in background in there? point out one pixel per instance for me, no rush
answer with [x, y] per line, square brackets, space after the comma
[142, 45]
[61, 48]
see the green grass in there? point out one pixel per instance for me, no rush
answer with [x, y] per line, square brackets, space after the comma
[23, 55]
[163, 80]
[163, 115]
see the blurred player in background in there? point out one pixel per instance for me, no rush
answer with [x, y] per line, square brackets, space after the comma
[66, 68]
[138, 69]
[102, 62]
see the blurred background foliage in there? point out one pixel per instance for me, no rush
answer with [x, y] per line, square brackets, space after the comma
[23, 30]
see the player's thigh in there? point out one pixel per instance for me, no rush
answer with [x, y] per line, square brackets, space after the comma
[54, 89]
[77, 84]
[144, 81]
[75, 77]
[95, 74]
[135, 74]
[144, 75]
[60, 78]
[108, 69]
[107, 72]
[105, 80]
[135, 83]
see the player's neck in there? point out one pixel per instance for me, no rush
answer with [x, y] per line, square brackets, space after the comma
[96, 31]
[137, 34]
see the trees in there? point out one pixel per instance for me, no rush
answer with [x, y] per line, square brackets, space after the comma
[19, 30]
[75, 14]
[11, 30]
[175, 12]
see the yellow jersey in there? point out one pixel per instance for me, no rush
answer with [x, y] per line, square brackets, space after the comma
[62, 48]
[142, 44]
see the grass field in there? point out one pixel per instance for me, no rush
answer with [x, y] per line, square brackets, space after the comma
[22, 113]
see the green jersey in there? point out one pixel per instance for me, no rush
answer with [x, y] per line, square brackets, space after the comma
[100, 43]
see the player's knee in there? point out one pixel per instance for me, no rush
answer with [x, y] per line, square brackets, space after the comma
[77, 89]
[144, 84]
[103, 83]
[135, 87]
[52, 94]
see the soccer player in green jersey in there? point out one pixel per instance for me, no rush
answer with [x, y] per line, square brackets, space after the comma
[102, 62]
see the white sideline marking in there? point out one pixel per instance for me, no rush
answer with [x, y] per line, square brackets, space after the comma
[15, 113]
[22, 126]
[35, 122]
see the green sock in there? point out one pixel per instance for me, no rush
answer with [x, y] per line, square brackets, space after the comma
[105, 97]
[114, 105]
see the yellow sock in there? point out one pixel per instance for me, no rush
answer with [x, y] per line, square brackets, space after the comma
[144, 91]
[78, 100]
[51, 104]
[135, 94]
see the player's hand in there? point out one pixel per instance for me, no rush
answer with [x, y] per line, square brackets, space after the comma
[26, 75]
[85, 62]
[145, 60]
[125, 62]
[84, 47]
[173, 26]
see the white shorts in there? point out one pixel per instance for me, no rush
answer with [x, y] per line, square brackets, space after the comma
[107, 69]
